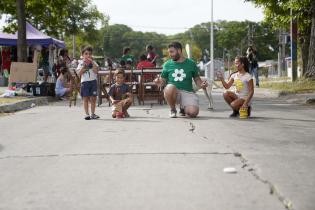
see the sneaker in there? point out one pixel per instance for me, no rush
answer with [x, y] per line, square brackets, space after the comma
[87, 117]
[249, 110]
[182, 112]
[235, 114]
[126, 114]
[94, 116]
[173, 113]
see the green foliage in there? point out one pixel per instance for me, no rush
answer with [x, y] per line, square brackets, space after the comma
[229, 35]
[62, 18]
[56, 17]
[277, 12]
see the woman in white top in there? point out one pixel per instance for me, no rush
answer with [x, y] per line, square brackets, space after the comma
[244, 87]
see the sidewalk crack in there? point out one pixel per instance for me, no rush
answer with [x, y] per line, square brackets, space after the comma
[273, 190]
[112, 154]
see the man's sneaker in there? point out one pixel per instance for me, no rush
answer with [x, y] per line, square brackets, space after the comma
[173, 113]
[235, 114]
[94, 116]
[182, 112]
[87, 117]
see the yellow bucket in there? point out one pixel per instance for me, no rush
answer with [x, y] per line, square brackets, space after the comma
[243, 113]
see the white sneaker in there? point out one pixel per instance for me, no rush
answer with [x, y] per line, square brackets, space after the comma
[173, 113]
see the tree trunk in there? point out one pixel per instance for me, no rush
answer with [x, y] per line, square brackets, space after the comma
[310, 72]
[21, 42]
[305, 44]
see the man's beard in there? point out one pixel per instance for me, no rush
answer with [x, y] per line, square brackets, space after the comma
[176, 57]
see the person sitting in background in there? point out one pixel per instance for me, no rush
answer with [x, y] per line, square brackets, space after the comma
[127, 56]
[122, 64]
[63, 87]
[152, 57]
[109, 63]
[144, 63]
[64, 59]
[128, 65]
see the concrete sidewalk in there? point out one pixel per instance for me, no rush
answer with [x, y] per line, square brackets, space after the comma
[50, 158]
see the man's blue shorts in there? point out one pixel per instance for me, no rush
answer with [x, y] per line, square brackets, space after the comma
[89, 88]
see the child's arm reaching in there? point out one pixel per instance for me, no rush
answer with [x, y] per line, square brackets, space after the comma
[113, 100]
[226, 85]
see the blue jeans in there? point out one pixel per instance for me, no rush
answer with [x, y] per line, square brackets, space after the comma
[254, 72]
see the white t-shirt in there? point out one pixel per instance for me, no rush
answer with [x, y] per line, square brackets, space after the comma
[241, 84]
[89, 74]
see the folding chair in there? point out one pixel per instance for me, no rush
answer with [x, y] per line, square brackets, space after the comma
[134, 84]
[148, 89]
[75, 83]
[104, 83]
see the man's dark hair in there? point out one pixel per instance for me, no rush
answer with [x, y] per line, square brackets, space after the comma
[176, 45]
[126, 50]
[143, 57]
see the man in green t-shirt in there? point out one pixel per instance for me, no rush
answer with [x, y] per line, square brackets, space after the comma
[178, 73]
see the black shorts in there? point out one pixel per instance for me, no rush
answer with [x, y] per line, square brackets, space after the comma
[89, 88]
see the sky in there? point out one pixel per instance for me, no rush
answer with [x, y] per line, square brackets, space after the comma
[173, 16]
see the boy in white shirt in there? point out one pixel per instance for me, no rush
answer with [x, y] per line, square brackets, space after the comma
[87, 69]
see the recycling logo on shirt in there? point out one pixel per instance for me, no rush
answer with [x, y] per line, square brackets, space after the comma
[179, 75]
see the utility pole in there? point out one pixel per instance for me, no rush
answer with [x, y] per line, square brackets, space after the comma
[211, 45]
[279, 54]
[293, 41]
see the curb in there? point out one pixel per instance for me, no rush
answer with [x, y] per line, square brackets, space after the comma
[26, 104]
[267, 93]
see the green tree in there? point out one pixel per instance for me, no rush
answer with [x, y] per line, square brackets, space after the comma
[113, 39]
[21, 43]
[232, 36]
[277, 12]
[58, 18]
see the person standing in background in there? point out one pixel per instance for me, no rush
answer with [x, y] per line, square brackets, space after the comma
[253, 63]
[6, 63]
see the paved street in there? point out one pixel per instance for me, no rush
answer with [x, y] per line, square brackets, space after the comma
[50, 158]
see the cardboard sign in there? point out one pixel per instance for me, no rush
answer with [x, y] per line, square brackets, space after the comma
[21, 72]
